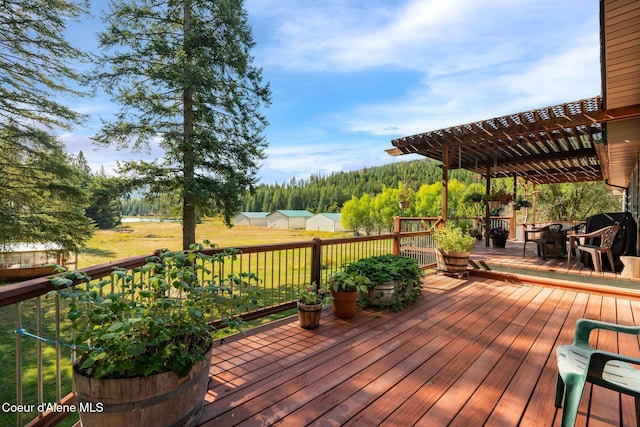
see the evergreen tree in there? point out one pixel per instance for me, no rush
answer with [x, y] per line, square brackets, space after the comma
[183, 72]
[104, 193]
[105, 201]
[41, 199]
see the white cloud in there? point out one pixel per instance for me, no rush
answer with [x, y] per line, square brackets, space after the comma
[450, 96]
[439, 35]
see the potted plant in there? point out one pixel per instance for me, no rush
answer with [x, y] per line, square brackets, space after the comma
[345, 287]
[499, 236]
[310, 302]
[453, 248]
[144, 338]
[521, 202]
[476, 232]
[497, 198]
[396, 280]
[405, 196]
[473, 197]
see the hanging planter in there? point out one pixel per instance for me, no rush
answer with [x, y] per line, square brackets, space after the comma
[521, 202]
[494, 204]
[497, 198]
[405, 196]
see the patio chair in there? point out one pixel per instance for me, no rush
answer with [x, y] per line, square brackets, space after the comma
[607, 236]
[548, 236]
[579, 363]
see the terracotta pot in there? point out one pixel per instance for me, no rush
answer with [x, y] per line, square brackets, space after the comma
[344, 304]
[309, 315]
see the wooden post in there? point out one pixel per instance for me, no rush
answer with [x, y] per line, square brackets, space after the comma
[514, 215]
[487, 211]
[396, 232]
[316, 262]
[445, 181]
[534, 204]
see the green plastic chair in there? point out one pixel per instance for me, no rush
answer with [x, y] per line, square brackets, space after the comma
[579, 363]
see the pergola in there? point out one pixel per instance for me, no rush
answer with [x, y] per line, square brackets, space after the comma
[554, 144]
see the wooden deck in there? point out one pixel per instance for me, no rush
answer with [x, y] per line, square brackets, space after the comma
[512, 257]
[470, 352]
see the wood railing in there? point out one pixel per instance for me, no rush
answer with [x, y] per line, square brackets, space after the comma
[43, 357]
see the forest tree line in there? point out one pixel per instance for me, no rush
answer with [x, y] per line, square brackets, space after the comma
[328, 194]
[375, 190]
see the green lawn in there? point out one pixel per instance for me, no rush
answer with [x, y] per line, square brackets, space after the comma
[144, 238]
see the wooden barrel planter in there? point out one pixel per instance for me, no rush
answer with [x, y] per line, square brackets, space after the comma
[382, 294]
[452, 261]
[162, 399]
[309, 315]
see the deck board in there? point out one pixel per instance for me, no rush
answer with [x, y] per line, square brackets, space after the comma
[474, 351]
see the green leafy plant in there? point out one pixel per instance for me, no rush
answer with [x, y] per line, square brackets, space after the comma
[405, 194]
[476, 232]
[452, 238]
[403, 271]
[473, 197]
[522, 202]
[156, 318]
[343, 281]
[310, 295]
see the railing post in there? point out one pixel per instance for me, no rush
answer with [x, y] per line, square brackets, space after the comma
[396, 235]
[316, 262]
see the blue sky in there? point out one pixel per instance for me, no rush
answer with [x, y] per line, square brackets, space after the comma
[347, 76]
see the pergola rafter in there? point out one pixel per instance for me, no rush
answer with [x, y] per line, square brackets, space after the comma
[547, 145]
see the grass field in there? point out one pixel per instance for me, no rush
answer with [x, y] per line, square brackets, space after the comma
[143, 238]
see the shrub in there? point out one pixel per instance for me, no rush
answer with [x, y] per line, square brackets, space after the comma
[452, 238]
